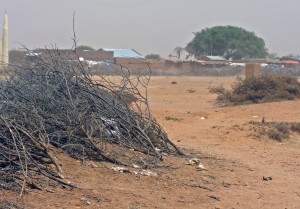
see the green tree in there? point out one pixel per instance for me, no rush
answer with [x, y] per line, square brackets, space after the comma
[227, 41]
[273, 56]
[85, 48]
[153, 56]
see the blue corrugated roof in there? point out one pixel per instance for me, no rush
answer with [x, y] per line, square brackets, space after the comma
[124, 53]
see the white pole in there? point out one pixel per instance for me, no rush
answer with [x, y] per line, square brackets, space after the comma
[5, 41]
[1, 52]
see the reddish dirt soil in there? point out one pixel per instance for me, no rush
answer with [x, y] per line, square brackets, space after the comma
[236, 160]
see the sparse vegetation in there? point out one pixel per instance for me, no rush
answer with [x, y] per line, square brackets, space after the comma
[268, 87]
[277, 131]
[85, 48]
[153, 56]
[172, 118]
[191, 91]
[276, 135]
[295, 127]
[282, 127]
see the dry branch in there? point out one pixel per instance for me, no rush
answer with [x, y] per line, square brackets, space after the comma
[51, 102]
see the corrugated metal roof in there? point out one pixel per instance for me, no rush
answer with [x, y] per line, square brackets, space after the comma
[124, 53]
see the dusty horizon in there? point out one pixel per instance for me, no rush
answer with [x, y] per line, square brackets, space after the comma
[147, 26]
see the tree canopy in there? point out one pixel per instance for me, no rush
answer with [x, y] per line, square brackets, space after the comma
[84, 47]
[152, 56]
[227, 41]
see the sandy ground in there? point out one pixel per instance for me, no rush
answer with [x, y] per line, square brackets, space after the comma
[223, 140]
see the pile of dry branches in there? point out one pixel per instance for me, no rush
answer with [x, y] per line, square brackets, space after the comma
[51, 103]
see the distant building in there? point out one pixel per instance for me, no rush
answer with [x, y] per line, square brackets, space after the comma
[211, 58]
[123, 53]
[290, 60]
[89, 57]
[127, 57]
[107, 56]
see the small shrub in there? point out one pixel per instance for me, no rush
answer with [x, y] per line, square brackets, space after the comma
[152, 56]
[224, 95]
[275, 135]
[217, 89]
[174, 82]
[265, 88]
[295, 127]
[191, 91]
[274, 130]
[279, 131]
[282, 127]
[293, 89]
[172, 118]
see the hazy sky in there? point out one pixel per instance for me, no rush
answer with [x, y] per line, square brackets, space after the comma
[148, 26]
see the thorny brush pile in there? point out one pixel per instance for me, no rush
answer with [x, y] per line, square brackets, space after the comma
[51, 103]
